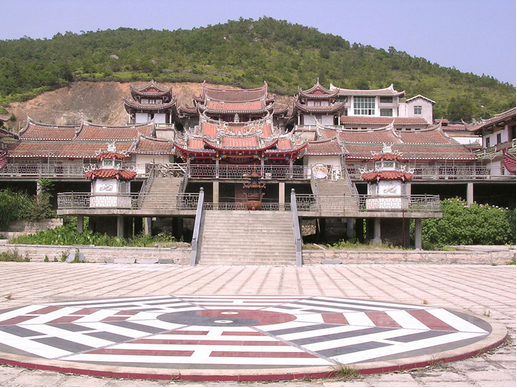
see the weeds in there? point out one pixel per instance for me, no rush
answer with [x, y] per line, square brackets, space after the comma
[13, 256]
[346, 372]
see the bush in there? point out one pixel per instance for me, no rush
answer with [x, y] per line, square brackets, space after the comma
[464, 224]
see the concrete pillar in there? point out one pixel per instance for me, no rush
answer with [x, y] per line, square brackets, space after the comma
[349, 228]
[215, 194]
[120, 226]
[216, 169]
[418, 233]
[281, 195]
[148, 225]
[377, 232]
[80, 224]
[470, 193]
[408, 188]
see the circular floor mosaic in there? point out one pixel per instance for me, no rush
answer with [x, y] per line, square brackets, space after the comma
[233, 333]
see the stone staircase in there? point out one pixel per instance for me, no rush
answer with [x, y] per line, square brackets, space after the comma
[338, 188]
[162, 193]
[247, 238]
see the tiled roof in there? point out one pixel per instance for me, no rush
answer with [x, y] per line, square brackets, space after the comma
[39, 131]
[107, 173]
[248, 106]
[318, 91]
[389, 91]
[324, 147]
[148, 145]
[61, 149]
[234, 95]
[386, 175]
[240, 142]
[504, 117]
[376, 120]
[112, 155]
[135, 105]
[151, 89]
[90, 131]
[332, 108]
[432, 143]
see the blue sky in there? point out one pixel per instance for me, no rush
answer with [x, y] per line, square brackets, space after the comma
[477, 36]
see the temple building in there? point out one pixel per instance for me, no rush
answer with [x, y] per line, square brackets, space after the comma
[337, 164]
[151, 103]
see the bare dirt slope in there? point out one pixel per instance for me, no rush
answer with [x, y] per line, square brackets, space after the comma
[98, 102]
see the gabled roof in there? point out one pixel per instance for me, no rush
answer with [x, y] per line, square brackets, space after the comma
[422, 97]
[389, 91]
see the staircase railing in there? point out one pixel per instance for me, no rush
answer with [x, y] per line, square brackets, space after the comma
[144, 190]
[296, 228]
[196, 233]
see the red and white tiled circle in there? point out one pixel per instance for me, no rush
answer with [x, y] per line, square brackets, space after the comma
[233, 332]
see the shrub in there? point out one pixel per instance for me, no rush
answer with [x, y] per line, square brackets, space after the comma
[464, 224]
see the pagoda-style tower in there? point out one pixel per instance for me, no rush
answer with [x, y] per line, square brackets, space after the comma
[110, 187]
[317, 105]
[151, 102]
[386, 183]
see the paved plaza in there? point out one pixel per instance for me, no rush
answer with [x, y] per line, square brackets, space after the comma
[279, 311]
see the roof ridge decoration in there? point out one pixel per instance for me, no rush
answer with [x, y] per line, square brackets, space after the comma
[150, 85]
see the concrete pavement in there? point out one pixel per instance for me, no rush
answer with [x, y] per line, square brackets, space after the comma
[486, 291]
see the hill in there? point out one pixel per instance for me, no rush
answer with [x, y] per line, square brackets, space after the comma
[241, 53]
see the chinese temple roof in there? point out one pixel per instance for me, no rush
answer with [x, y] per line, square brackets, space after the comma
[131, 105]
[324, 147]
[318, 92]
[389, 91]
[153, 146]
[499, 120]
[386, 175]
[47, 132]
[107, 173]
[337, 107]
[428, 144]
[150, 90]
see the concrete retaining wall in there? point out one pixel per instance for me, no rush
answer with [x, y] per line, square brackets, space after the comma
[181, 256]
[94, 254]
[486, 257]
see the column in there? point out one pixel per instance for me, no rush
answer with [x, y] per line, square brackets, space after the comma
[120, 226]
[377, 232]
[215, 194]
[281, 195]
[262, 168]
[216, 169]
[148, 225]
[418, 233]
[80, 224]
[470, 193]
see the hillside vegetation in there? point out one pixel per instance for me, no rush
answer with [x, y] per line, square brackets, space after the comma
[242, 53]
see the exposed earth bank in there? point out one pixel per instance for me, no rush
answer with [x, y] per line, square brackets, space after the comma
[98, 102]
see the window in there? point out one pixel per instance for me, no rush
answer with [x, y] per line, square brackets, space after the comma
[418, 109]
[386, 112]
[487, 142]
[386, 99]
[364, 106]
[499, 138]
